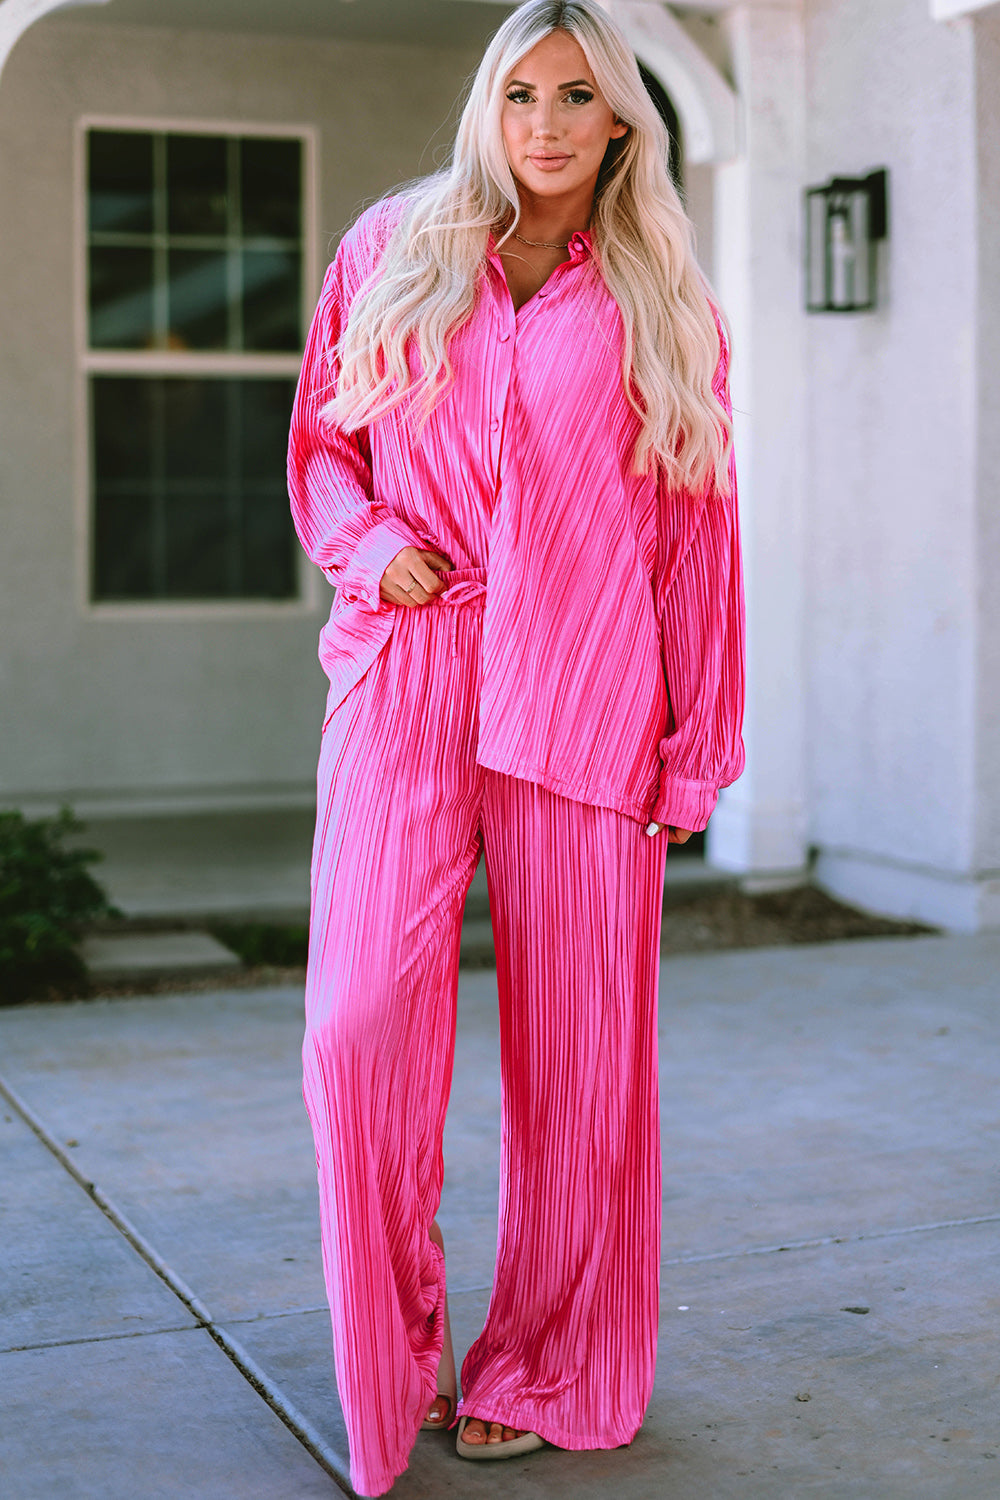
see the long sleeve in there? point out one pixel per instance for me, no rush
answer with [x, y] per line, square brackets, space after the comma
[701, 614]
[345, 528]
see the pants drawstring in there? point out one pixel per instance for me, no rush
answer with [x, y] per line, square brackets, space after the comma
[461, 592]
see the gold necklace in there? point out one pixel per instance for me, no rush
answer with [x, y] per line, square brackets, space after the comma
[541, 244]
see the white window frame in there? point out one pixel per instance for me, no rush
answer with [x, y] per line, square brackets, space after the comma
[197, 363]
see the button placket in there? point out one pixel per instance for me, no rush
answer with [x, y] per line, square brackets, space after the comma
[503, 367]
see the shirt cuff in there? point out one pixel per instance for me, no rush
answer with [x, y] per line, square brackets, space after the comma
[360, 579]
[681, 803]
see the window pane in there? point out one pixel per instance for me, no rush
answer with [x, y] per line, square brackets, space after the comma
[189, 487]
[267, 411]
[121, 181]
[121, 298]
[124, 422]
[123, 429]
[198, 299]
[196, 184]
[196, 429]
[270, 187]
[199, 543]
[123, 545]
[216, 280]
[268, 549]
[271, 299]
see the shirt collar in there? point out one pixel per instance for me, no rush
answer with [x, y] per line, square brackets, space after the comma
[581, 245]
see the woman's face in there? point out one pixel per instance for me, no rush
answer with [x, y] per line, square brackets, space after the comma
[556, 122]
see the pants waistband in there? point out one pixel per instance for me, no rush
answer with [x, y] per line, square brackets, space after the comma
[462, 586]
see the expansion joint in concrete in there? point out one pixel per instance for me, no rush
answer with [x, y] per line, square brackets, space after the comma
[820, 1241]
[96, 1338]
[297, 1423]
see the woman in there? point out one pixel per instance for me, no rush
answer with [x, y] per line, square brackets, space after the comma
[511, 453]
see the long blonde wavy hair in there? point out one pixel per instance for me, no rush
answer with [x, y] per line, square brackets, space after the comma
[424, 286]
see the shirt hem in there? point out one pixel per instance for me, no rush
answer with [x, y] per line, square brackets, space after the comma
[629, 807]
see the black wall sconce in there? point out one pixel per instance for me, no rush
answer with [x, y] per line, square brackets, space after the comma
[845, 219]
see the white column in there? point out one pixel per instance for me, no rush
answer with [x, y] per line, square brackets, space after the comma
[759, 827]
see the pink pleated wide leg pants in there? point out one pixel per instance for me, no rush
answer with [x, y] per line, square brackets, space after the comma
[575, 895]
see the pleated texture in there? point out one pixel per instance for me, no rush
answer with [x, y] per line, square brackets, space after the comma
[396, 845]
[569, 1344]
[612, 664]
[405, 806]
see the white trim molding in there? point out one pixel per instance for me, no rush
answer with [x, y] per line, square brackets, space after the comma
[17, 16]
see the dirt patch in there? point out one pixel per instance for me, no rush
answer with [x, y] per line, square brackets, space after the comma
[729, 918]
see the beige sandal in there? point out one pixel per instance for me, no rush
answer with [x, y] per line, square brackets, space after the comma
[528, 1442]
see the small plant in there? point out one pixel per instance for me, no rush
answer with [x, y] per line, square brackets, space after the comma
[47, 899]
[273, 944]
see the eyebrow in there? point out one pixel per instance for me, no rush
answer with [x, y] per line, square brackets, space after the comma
[573, 83]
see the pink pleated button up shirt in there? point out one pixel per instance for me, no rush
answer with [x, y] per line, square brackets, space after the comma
[612, 667]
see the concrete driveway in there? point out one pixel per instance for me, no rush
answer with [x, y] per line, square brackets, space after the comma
[830, 1289]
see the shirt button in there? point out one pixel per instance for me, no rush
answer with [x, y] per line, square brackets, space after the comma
[495, 425]
[504, 337]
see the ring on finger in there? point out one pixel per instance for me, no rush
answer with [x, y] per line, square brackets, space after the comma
[412, 585]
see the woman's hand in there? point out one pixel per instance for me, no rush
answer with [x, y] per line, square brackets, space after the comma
[674, 835]
[410, 579]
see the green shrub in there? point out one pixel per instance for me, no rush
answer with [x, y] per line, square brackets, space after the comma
[272, 944]
[47, 898]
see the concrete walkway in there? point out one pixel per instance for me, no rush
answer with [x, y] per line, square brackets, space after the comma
[831, 1134]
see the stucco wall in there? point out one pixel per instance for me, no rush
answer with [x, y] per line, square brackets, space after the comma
[193, 705]
[891, 487]
[986, 31]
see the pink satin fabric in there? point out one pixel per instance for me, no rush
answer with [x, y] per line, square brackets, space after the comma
[612, 665]
[405, 808]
